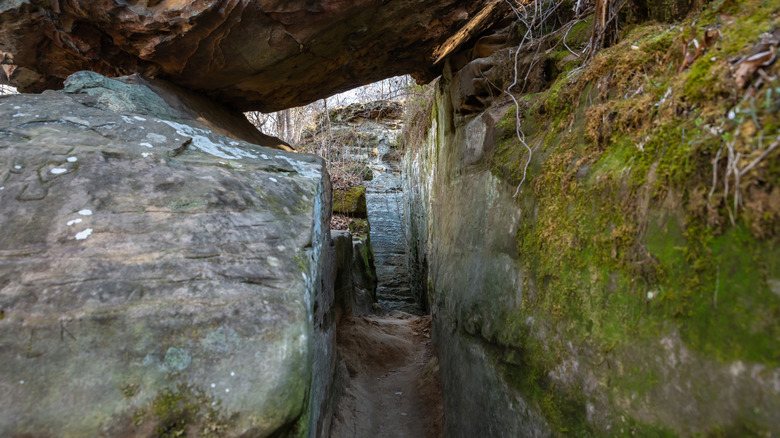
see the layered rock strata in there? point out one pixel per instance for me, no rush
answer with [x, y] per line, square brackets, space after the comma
[253, 54]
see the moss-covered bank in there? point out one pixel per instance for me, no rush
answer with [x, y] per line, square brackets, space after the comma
[645, 235]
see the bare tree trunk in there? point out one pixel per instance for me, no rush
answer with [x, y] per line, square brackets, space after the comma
[327, 136]
[605, 25]
[287, 126]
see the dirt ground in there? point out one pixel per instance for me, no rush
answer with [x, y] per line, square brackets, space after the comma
[388, 378]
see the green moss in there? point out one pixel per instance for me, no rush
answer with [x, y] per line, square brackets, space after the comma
[184, 205]
[182, 410]
[618, 237]
[129, 389]
[359, 227]
[350, 201]
[301, 262]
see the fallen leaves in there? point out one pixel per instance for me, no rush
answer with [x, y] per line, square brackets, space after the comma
[689, 57]
[338, 222]
[763, 55]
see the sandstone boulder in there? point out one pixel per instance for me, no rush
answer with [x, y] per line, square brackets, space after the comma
[253, 54]
[157, 277]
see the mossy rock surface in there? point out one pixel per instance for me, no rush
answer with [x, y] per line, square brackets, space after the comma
[616, 288]
[351, 202]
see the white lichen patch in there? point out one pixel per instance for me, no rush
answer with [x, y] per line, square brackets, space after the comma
[273, 261]
[73, 222]
[139, 118]
[272, 179]
[265, 157]
[308, 170]
[156, 138]
[20, 115]
[85, 212]
[127, 120]
[72, 159]
[84, 234]
[17, 167]
[58, 171]
[145, 154]
[201, 141]
[149, 145]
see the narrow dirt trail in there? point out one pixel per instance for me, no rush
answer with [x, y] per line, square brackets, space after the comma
[389, 379]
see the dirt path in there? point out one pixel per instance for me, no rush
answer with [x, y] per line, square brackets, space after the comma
[389, 379]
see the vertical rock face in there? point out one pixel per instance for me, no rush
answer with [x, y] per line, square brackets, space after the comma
[460, 228]
[610, 294]
[254, 54]
[156, 276]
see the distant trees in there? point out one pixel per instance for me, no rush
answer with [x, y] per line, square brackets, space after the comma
[291, 124]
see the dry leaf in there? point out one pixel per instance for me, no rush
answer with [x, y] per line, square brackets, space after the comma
[747, 68]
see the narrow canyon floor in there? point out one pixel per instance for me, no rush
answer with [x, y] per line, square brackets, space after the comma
[389, 378]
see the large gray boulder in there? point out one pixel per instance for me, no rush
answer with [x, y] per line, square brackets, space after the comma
[156, 277]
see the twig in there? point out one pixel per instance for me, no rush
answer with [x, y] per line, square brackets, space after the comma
[760, 157]
[567, 34]
[715, 173]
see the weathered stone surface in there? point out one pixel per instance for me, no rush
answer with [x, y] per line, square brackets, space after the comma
[459, 231]
[156, 276]
[254, 54]
[350, 201]
[538, 369]
[355, 279]
[158, 98]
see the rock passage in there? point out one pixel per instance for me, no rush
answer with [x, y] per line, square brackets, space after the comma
[390, 379]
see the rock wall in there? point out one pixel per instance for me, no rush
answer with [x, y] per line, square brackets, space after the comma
[355, 285]
[158, 277]
[608, 295]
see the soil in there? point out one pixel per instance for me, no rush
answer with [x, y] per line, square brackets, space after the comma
[389, 379]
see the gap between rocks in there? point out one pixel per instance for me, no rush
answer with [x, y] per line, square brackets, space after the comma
[389, 378]
[388, 374]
